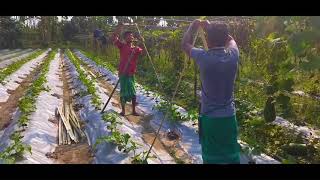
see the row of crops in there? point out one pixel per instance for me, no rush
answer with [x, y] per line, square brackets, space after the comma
[109, 135]
[276, 92]
[30, 134]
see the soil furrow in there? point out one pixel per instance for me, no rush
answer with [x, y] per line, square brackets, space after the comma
[79, 153]
[7, 108]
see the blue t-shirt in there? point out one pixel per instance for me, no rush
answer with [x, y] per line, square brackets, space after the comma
[218, 69]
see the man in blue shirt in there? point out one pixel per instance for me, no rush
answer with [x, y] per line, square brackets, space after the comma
[218, 67]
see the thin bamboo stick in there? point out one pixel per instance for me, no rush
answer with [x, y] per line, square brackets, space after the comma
[60, 131]
[92, 74]
[67, 124]
[64, 135]
[75, 132]
[73, 114]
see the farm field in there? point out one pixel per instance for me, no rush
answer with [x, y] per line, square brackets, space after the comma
[53, 93]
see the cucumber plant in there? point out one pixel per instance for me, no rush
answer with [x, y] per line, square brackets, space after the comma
[122, 141]
[83, 77]
[15, 150]
[16, 65]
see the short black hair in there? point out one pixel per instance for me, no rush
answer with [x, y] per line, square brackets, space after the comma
[218, 33]
[125, 34]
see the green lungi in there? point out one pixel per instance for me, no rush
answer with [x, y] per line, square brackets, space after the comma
[218, 138]
[127, 88]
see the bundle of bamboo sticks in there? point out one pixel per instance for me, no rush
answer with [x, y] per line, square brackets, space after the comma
[69, 125]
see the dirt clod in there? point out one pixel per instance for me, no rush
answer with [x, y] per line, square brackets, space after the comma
[172, 135]
[56, 95]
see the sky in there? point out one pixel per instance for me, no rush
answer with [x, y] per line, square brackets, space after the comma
[60, 18]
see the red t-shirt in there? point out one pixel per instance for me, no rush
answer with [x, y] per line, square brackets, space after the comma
[125, 53]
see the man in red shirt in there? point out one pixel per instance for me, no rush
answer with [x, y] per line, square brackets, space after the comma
[128, 52]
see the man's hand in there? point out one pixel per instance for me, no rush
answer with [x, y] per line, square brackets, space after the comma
[205, 24]
[187, 38]
[200, 23]
[230, 38]
[231, 43]
[196, 23]
[119, 28]
[120, 24]
[140, 38]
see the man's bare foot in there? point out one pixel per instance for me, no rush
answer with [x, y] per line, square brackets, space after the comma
[135, 114]
[122, 113]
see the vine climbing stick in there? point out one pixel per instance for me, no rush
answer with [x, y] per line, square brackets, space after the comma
[204, 41]
[149, 57]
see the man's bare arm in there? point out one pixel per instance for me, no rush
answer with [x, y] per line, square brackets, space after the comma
[231, 43]
[187, 38]
[117, 32]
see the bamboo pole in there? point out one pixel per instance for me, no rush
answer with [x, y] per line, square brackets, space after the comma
[74, 117]
[67, 116]
[60, 131]
[67, 125]
[195, 67]
[92, 74]
[76, 123]
[75, 131]
[68, 139]
[203, 38]
[64, 135]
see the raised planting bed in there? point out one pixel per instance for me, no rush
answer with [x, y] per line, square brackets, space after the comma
[13, 145]
[147, 101]
[20, 71]
[97, 127]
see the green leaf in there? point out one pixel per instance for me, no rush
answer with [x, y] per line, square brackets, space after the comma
[271, 37]
[299, 42]
[126, 138]
[286, 84]
[315, 21]
[312, 64]
[269, 110]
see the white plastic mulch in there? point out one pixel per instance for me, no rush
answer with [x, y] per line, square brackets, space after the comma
[18, 76]
[189, 136]
[306, 132]
[6, 62]
[19, 52]
[40, 133]
[8, 51]
[4, 51]
[107, 153]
